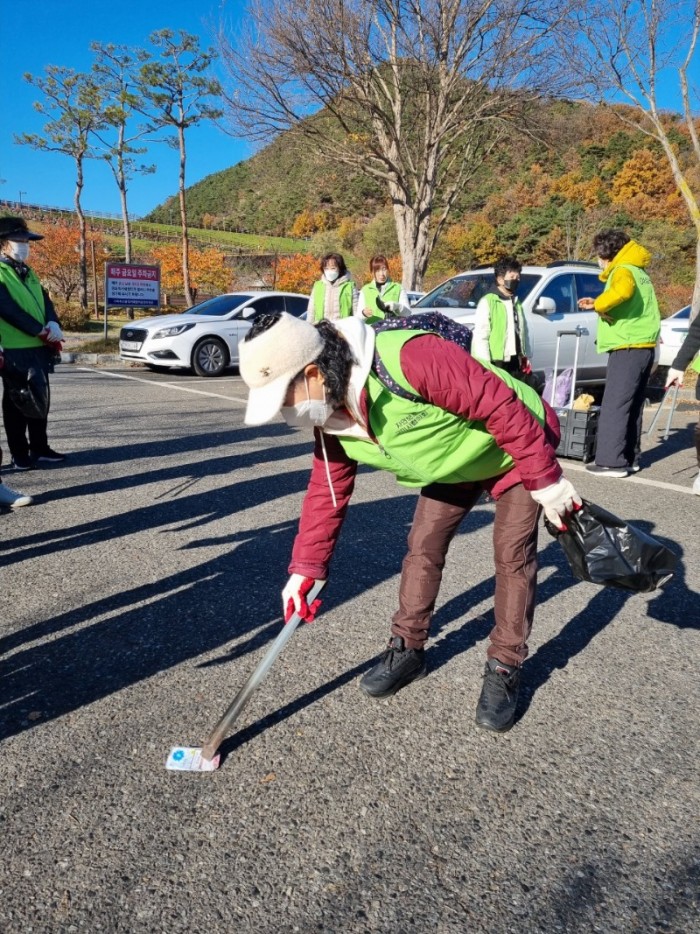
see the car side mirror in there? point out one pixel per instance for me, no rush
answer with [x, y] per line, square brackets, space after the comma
[247, 313]
[545, 306]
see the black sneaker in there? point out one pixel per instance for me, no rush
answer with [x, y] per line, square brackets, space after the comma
[615, 472]
[397, 667]
[24, 463]
[499, 696]
[50, 456]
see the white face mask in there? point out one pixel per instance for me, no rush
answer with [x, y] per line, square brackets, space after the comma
[310, 413]
[18, 250]
[602, 263]
[331, 274]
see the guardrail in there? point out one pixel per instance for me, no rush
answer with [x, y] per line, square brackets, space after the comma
[52, 209]
[146, 229]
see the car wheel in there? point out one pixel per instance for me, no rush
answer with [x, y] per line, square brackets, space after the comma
[210, 357]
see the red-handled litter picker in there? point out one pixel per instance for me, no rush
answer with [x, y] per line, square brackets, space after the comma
[206, 759]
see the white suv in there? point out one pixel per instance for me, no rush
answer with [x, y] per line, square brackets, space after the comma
[549, 295]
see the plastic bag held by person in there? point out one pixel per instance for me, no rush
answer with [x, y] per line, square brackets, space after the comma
[603, 549]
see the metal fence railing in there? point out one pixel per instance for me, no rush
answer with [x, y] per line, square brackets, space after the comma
[112, 225]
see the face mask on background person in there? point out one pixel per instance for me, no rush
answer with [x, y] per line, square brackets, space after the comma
[310, 413]
[18, 250]
[331, 274]
[511, 283]
[602, 263]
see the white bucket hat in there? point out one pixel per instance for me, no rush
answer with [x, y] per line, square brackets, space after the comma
[269, 362]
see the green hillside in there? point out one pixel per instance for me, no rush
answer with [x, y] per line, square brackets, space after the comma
[264, 194]
[541, 195]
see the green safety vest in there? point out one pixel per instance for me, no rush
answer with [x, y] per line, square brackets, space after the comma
[318, 295]
[422, 443]
[498, 322]
[390, 292]
[637, 321]
[29, 296]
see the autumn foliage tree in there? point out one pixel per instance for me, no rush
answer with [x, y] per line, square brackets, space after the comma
[645, 185]
[297, 273]
[309, 222]
[208, 270]
[56, 258]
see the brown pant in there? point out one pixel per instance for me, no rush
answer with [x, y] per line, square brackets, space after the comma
[440, 510]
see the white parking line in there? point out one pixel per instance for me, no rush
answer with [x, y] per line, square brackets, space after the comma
[153, 382]
[641, 481]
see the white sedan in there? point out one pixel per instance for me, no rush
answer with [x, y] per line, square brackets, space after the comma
[206, 336]
[673, 333]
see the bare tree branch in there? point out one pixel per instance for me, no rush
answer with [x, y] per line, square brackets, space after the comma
[412, 93]
[626, 50]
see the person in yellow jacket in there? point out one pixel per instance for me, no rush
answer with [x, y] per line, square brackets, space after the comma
[334, 295]
[628, 330]
[31, 338]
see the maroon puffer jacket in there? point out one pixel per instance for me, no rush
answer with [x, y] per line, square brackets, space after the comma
[446, 375]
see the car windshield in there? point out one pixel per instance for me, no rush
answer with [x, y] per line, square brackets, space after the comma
[465, 291]
[219, 306]
[682, 314]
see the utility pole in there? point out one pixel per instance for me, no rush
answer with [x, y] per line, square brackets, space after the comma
[94, 280]
[20, 200]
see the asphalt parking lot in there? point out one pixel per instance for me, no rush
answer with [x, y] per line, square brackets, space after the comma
[143, 587]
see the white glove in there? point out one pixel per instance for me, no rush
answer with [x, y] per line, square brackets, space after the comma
[55, 333]
[292, 596]
[557, 500]
[396, 308]
[674, 376]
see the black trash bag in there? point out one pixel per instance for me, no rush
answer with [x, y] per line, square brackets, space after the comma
[28, 389]
[603, 549]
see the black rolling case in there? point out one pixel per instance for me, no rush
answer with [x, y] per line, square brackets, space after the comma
[579, 428]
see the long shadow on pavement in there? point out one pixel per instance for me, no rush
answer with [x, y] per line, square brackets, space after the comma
[162, 624]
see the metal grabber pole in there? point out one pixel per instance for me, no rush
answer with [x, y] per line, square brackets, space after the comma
[671, 389]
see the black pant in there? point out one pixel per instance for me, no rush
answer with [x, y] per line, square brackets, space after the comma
[620, 422]
[697, 427]
[23, 434]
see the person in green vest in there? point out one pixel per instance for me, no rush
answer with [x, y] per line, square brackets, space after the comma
[628, 329]
[689, 355]
[334, 295]
[381, 286]
[449, 427]
[500, 332]
[31, 337]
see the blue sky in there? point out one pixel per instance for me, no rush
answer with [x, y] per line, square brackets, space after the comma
[59, 32]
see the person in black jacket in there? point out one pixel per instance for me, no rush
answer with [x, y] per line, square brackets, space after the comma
[31, 337]
[689, 351]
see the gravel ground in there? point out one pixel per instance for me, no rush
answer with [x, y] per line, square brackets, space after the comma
[142, 589]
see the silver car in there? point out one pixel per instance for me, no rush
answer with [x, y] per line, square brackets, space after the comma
[549, 295]
[674, 331]
[206, 336]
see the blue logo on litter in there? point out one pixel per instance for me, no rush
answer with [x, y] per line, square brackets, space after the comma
[178, 755]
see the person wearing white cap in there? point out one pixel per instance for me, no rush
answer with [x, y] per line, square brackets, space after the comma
[420, 406]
